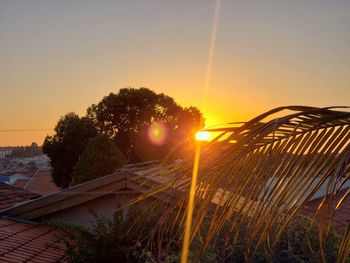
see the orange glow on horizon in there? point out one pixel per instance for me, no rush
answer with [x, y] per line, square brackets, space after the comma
[41, 83]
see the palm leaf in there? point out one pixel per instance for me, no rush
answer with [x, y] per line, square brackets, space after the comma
[265, 171]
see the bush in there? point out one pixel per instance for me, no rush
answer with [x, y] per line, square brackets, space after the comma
[126, 240]
[121, 239]
[293, 246]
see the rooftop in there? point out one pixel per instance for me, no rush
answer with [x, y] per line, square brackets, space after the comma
[41, 183]
[130, 179]
[10, 195]
[22, 241]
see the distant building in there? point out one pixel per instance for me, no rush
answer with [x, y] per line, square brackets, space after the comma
[5, 152]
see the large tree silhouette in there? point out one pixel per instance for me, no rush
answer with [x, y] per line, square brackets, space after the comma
[128, 115]
[143, 124]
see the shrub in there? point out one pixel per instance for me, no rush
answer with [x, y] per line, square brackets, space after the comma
[121, 239]
[126, 240]
[298, 243]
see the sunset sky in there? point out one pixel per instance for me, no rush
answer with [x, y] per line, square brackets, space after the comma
[62, 56]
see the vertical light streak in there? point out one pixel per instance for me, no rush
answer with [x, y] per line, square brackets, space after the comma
[187, 235]
[190, 205]
[214, 32]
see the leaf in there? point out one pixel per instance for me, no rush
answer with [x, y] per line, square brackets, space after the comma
[266, 171]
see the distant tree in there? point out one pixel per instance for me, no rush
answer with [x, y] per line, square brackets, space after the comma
[128, 115]
[33, 149]
[100, 158]
[64, 148]
[34, 145]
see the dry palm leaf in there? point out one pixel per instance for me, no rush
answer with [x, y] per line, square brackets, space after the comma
[265, 172]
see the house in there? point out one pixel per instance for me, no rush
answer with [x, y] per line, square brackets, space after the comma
[102, 195]
[23, 236]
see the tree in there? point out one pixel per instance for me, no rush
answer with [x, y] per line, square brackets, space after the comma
[34, 145]
[64, 148]
[100, 158]
[128, 116]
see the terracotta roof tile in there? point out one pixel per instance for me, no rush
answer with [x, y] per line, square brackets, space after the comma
[20, 183]
[10, 195]
[29, 242]
[41, 183]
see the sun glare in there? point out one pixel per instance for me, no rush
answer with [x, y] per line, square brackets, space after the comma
[157, 133]
[202, 136]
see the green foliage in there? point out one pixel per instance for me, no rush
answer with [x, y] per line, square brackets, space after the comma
[124, 117]
[127, 115]
[122, 239]
[126, 239]
[64, 148]
[298, 243]
[100, 158]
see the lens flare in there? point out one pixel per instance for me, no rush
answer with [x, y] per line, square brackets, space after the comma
[202, 136]
[157, 133]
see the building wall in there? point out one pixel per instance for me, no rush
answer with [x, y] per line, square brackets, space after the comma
[103, 206]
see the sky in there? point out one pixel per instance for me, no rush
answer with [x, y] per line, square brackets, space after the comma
[61, 56]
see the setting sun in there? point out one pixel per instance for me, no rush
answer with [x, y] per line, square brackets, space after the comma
[202, 136]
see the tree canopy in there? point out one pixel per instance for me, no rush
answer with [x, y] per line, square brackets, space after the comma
[100, 158]
[128, 116]
[64, 148]
[144, 126]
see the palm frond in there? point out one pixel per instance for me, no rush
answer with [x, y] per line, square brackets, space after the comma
[266, 172]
